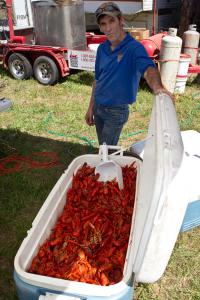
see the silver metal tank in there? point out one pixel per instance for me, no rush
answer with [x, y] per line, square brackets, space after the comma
[59, 23]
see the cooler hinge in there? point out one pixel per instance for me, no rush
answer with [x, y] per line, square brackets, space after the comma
[131, 280]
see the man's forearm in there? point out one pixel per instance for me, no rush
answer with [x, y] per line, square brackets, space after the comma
[91, 104]
[89, 116]
[152, 76]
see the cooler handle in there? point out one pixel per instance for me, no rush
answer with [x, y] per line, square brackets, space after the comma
[119, 149]
[50, 296]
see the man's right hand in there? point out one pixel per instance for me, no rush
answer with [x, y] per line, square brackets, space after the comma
[89, 117]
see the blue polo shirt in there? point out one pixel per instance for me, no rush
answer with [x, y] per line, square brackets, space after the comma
[118, 72]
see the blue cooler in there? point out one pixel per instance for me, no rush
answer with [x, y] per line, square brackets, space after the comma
[5, 104]
[192, 216]
[160, 206]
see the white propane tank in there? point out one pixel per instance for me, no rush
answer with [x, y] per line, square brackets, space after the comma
[169, 58]
[191, 43]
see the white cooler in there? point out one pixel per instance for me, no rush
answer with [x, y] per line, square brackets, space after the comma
[191, 143]
[160, 207]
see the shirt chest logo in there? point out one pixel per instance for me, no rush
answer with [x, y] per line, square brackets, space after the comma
[119, 56]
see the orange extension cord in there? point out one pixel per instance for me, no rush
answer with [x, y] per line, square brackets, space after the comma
[14, 163]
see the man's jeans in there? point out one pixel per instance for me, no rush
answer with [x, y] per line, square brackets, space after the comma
[109, 122]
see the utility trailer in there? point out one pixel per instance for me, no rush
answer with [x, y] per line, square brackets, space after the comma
[47, 63]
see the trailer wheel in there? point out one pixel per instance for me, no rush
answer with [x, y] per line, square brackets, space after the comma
[45, 70]
[19, 66]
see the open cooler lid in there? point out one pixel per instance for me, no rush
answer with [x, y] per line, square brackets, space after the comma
[160, 202]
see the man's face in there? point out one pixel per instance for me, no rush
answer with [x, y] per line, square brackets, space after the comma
[112, 27]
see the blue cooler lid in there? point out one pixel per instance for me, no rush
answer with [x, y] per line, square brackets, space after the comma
[160, 200]
[5, 104]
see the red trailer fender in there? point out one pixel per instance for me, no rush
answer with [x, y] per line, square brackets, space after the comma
[58, 54]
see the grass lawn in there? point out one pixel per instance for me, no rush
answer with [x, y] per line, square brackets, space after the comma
[51, 119]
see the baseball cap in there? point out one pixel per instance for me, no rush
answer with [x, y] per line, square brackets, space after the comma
[108, 8]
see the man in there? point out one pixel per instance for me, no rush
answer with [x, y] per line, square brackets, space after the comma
[120, 62]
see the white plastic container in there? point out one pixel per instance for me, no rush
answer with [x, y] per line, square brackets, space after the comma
[183, 65]
[93, 47]
[180, 84]
[160, 206]
[191, 43]
[182, 73]
[169, 58]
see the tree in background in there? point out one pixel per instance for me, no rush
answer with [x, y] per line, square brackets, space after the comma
[190, 14]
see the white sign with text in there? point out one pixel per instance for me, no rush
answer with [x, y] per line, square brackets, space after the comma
[81, 60]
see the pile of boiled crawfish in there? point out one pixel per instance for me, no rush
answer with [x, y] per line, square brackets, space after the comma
[90, 238]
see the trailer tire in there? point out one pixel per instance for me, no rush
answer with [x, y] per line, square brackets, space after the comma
[19, 66]
[45, 70]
